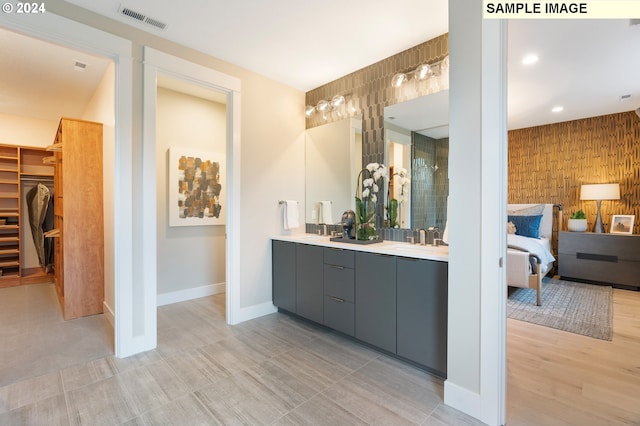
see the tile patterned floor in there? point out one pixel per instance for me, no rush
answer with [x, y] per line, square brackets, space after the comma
[272, 370]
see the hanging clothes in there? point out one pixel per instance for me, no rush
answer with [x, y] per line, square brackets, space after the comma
[38, 199]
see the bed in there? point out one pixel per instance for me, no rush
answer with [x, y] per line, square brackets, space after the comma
[529, 258]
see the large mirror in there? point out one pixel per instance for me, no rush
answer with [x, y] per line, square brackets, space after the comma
[416, 136]
[333, 157]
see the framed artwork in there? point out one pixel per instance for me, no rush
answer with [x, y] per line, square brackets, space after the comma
[622, 224]
[196, 188]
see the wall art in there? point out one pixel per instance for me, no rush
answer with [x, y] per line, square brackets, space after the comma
[196, 188]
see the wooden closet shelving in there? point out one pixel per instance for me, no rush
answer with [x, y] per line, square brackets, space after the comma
[16, 163]
[78, 221]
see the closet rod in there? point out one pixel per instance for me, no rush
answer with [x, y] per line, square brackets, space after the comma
[36, 179]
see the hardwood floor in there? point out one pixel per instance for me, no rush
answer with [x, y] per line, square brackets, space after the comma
[553, 377]
[273, 370]
[560, 378]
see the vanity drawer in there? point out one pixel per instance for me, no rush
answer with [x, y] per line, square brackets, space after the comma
[338, 257]
[339, 315]
[339, 282]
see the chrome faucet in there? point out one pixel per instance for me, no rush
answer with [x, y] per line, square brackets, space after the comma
[436, 239]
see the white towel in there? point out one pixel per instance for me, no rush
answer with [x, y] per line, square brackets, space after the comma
[325, 213]
[291, 214]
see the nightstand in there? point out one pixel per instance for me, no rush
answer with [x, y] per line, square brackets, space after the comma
[600, 258]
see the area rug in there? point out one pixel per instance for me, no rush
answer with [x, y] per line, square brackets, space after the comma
[579, 308]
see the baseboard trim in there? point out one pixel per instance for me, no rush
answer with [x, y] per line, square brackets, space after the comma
[108, 313]
[190, 294]
[462, 399]
[256, 311]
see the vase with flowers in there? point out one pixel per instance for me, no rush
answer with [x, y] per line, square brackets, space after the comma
[394, 204]
[371, 177]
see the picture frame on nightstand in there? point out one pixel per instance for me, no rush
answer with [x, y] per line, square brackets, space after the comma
[622, 224]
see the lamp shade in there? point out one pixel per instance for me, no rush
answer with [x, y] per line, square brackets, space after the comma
[600, 191]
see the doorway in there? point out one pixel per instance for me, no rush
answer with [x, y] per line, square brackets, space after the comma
[191, 129]
[77, 84]
[190, 78]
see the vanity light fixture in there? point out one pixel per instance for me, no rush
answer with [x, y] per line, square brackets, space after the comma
[324, 106]
[422, 72]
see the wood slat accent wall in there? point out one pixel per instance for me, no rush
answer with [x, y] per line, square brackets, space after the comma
[547, 164]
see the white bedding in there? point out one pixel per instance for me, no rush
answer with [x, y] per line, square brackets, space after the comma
[541, 247]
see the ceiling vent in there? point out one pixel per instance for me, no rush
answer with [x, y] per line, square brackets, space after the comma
[141, 17]
[79, 66]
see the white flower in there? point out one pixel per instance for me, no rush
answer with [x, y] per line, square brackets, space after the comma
[375, 188]
[402, 172]
[372, 167]
[404, 181]
[367, 183]
[365, 193]
[377, 175]
[374, 198]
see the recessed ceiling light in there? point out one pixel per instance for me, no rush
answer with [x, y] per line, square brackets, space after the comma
[557, 109]
[530, 59]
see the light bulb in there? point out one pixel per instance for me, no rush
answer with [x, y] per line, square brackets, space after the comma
[398, 79]
[336, 101]
[309, 110]
[423, 71]
[322, 106]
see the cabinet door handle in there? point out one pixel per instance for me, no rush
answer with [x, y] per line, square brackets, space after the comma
[337, 267]
[336, 299]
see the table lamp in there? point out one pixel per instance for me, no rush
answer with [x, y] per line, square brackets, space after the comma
[599, 192]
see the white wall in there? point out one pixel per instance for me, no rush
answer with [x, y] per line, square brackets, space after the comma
[188, 256]
[26, 131]
[477, 183]
[272, 157]
[101, 108]
[273, 124]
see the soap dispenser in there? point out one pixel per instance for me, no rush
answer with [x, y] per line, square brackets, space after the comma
[422, 237]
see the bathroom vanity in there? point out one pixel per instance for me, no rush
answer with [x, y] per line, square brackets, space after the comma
[391, 296]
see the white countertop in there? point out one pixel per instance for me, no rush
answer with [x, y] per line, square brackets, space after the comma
[395, 248]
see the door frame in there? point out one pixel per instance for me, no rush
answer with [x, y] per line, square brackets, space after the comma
[68, 33]
[160, 63]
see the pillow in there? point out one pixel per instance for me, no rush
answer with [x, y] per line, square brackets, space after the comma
[527, 226]
[527, 211]
[511, 228]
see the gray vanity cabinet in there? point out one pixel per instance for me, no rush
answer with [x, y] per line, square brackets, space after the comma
[284, 275]
[397, 304]
[309, 282]
[376, 300]
[339, 290]
[422, 312]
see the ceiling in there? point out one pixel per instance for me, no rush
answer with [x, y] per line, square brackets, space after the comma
[584, 65]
